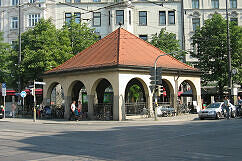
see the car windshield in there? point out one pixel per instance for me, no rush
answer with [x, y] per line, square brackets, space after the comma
[214, 105]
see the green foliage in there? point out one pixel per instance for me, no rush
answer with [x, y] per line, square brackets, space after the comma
[43, 48]
[211, 43]
[135, 93]
[5, 61]
[80, 35]
[168, 43]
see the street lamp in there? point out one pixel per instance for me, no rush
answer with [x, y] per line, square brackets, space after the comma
[229, 52]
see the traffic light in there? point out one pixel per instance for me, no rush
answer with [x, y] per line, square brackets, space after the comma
[155, 76]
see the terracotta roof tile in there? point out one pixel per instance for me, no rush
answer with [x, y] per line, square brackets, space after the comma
[120, 48]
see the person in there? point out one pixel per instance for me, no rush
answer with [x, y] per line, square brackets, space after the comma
[238, 107]
[72, 112]
[13, 106]
[79, 107]
[239, 101]
[226, 106]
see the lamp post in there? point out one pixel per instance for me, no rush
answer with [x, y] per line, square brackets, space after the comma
[229, 52]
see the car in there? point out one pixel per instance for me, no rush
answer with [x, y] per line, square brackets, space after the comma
[1, 112]
[216, 111]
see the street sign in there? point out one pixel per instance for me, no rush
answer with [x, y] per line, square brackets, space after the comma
[23, 94]
[4, 91]
[42, 83]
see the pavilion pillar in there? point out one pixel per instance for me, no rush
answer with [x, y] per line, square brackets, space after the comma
[118, 103]
[150, 105]
[67, 106]
[90, 106]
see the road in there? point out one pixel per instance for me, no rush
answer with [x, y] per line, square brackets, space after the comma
[184, 140]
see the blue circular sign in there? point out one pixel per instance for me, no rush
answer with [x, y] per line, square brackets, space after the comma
[23, 94]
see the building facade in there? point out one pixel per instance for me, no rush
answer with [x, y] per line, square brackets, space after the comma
[197, 11]
[140, 17]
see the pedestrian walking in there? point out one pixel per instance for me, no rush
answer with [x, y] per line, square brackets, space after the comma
[226, 106]
[72, 110]
[13, 106]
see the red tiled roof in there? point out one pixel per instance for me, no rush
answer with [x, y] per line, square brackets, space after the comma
[120, 48]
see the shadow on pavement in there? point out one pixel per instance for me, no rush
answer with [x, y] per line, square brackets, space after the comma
[213, 140]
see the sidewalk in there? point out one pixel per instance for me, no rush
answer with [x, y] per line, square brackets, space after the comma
[184, 117]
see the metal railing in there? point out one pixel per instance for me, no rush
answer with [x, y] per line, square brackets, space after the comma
[139, 108]
[103, 111]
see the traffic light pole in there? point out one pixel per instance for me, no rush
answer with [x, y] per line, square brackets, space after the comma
[155, 68]
[34, 119]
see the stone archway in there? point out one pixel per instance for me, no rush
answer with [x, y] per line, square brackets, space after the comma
[136, 97]
[167, 96]
[187, 96]
[55, 100]
[77, 91]
[103, 100]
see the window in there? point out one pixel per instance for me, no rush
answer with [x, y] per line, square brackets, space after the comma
[68, 1]
[144, 37]
[77, 17]
[109, 18]
[195, 23]
[32, 1]
[14, 22]
[97, 19]
[233, 3]
[14, 2]
[215, 3]
[119, 17]
[77, 1]
[14, 44]
[67, 18]
[142, 18]
[162, 17]
[234, 21]
[171, 17]
[195, 3]
[130, 17]
[33, 19]
[96, 0]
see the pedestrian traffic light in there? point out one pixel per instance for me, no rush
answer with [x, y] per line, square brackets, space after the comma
[155, 76]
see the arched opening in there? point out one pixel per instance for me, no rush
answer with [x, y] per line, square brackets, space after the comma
[135, 98]
[79, 94]
[187, 97]
[165, 93]
[103, 100]
[55, 106]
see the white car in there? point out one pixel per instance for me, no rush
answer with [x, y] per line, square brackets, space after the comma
[216, 110]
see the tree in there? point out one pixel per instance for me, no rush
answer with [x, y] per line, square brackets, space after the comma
[43, 48]
[211, 43]
[5, 53]
[168, 43]
[135, 93]
[80, 35]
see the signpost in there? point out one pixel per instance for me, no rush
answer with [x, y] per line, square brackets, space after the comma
[4, 93]
[23, 94]
[40, 83]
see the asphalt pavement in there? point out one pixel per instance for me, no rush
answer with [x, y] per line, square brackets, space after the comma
[178, 138]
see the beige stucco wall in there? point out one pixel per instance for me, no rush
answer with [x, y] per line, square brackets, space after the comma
[119, 80]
